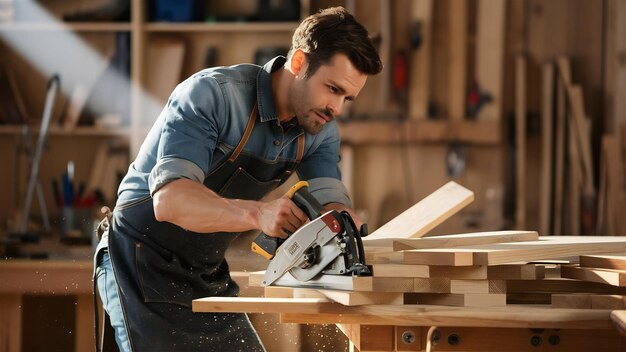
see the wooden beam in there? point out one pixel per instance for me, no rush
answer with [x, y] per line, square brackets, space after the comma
[477, 286]
[604, 276]
[461, 299]
[419, 81]
[477, 238]
[617, 261]
[489, 55]
[520, 142]
[316, 311]
[426, 214]
[548, 247]
[457, 76]
[547, 122]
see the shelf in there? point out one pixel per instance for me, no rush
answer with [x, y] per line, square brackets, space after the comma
[389, 132]
[60, 131]
[65, 26]
[244, 27]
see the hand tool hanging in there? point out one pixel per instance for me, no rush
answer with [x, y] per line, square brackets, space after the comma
[33, 182]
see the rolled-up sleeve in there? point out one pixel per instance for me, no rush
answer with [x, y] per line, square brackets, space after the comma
[189, 134]
[169, 169]
[329, 190]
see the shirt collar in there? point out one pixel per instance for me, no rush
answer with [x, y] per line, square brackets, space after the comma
[267, 109]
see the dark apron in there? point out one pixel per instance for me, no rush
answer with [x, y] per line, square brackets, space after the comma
[160, 267]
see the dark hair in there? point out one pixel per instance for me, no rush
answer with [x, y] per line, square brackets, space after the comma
[331, 31]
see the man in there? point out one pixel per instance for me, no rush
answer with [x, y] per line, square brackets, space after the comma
[227, 136]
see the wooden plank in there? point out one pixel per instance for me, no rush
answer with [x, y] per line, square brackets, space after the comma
[419, 82]
[588, 301]
[460, 299]
[547, 121]
[559, 156]
[489, 54]
[605, 276]
[553, 286]
[547, 247]
[617, 261]
[317, 311]
[382, 284]
[341, 282]
[433, 285]
[426, 214]
[608, 302]
[574, 182]
[516, 272]
[572, 300]
[349, 298]
[457, 76]
[520, 142]
[400, 270]
[477, 286]
[575, 99]
[447, 241]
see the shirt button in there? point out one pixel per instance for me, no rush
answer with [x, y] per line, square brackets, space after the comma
[277, 142]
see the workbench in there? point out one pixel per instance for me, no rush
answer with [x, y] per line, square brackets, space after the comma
[414, 327]
[23, 278]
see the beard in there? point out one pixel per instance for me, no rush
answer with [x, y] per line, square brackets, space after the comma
[310, 122]
[307, 116]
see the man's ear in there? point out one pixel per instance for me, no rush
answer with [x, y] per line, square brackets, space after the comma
[297, 62]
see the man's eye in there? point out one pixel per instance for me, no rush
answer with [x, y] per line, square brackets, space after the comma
[333, 89]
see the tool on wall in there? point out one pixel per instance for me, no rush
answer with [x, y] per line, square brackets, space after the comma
[33, 182]
[476, 99]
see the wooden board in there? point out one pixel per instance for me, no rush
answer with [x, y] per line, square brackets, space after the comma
[520, 141]
[547, 247]
[457, 65]
[553, 286]
[348, 298]
[447, 241]
[341, 282]
[588, 301]
[547, 121]
[419, 82]
[477, 286]
[604, 261]
[604, 276]
[489, 51]
[316, 311]
[460, 299]
[426, 214]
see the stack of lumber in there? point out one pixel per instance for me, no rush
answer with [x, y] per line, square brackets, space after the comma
[488, 269]
[605, 273]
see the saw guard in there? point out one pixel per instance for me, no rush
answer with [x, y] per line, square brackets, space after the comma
[291, 253]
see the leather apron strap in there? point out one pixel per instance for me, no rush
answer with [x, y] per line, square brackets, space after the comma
[246, 134]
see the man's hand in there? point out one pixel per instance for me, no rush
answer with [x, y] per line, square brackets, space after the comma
[280, 216]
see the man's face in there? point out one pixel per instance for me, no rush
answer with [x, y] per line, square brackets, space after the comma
[320, 98]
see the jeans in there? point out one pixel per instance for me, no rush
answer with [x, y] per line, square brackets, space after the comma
[107, 288]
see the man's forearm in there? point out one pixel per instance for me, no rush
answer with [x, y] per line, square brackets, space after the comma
[194, 207]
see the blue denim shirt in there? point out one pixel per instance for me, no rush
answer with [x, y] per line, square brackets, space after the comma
[203, 121]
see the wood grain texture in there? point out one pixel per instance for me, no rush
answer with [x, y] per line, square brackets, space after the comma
[617, 261]
[547, 247]
[447, 241]
[603, 276]
[426, 214]
[316, 311]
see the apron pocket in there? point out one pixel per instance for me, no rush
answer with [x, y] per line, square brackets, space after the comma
[162, 280]
[242, 185]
